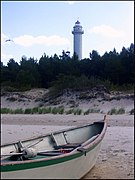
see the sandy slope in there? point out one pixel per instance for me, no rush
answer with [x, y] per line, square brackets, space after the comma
[92, 99]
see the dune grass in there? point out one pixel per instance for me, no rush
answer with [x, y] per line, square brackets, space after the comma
[61, 110]
[116, 111]
[91, 111]
[131, 112]
[5, 111]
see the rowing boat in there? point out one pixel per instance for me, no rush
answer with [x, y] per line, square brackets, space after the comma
[65, 154]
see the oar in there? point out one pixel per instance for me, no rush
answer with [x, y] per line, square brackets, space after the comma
[23, 153]
[33, 144]
[81, 148]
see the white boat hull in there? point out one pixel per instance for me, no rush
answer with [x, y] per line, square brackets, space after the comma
[72, 169]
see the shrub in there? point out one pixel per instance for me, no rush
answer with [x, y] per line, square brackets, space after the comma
[44, 111]
[70, 111]
[5, 111]
[18, 111]
[54, 110]
[61, 110]
[112, 111]
[40, 110]
[131, 112]
[35, 110]
[48, 110]
[7, 87]
[77, 112]
[86, 112]
[116, 111]
[121, 111]
[94, 110]
[27, 111]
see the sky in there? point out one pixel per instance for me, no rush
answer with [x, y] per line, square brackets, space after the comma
[38, 27]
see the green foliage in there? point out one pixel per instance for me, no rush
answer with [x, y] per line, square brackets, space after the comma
[70, 111]
[74, 111]
[112, 111]
[61, 110]
[116, 111]
[86, 112]
[61, 72]
[131, 112]
[121, 111]
[57, 110]
[54, 110]
[28, 111]
[91, 111]
[18, 111]
[45, 111]
[5, 111]
[76, 83]
[124, 87]
[94, 110]
[35, 110]
[40, 111]
[7, 88]
[48, 110]
[77, 111]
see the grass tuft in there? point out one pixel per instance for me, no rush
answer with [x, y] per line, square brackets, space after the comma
[28, 111]
[17, 111]
[131, 112]
[116, 111]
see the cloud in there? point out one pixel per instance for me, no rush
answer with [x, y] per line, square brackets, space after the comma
[28, 40]
[106, 31]
[3, 36]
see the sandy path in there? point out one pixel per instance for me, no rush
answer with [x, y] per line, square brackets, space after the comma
[116, 157]
[66, 120]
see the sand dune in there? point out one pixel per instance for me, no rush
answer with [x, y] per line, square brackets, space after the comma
[98, 99]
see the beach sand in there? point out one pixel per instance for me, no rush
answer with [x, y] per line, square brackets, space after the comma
[116, 157]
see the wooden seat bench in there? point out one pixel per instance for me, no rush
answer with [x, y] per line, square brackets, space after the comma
[68, 145]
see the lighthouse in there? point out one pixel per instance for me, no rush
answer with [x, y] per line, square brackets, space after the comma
[77, 33]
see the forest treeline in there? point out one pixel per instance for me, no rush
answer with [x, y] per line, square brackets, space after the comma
[65, 72]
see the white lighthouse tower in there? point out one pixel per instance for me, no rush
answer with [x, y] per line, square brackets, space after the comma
[77, 32]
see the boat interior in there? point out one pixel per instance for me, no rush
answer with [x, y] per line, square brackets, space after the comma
[52, 144]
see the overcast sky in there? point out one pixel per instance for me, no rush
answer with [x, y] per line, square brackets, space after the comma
[38, 27]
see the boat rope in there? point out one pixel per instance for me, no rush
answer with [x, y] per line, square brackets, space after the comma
[34, 143]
